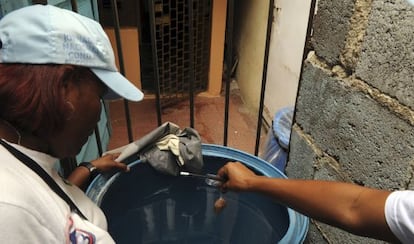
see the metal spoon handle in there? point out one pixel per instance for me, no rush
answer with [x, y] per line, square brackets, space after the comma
[202, 176]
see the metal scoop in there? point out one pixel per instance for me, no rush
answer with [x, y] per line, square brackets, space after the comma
[210, 179]
[202, 176]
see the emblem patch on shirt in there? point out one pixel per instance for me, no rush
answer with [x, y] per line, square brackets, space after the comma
[78, 236]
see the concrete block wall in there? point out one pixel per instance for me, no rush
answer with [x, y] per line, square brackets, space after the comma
[354, 118]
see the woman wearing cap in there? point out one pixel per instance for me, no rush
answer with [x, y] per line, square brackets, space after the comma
[55, 67]
[360, 210]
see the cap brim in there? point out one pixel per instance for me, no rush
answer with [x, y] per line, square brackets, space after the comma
[119, 86]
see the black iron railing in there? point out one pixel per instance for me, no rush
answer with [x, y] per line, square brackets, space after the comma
[192, 74]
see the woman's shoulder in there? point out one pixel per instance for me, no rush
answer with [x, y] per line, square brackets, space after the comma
[23, 188]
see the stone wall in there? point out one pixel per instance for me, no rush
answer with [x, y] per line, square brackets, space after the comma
[354, 118]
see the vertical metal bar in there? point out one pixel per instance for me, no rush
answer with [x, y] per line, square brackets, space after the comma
[155, 60]
[264, 76]
[98, 141]
[308, 32]
[44, 2]
[304, 55]
[108, 121]
[121, 62]
[94, 7]
[139, 25]
[228, 58]
[74, 5]
[191, 57]
[98, 134]
[68, 165]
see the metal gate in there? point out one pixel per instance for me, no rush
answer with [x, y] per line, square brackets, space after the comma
[180, 43]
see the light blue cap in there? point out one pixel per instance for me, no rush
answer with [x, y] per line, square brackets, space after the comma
[44, 34]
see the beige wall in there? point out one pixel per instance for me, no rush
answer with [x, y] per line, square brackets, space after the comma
[130, 51]
[250, 37]
[218, 29]
[285, 53]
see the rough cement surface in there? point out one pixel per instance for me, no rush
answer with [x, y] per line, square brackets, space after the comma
[330, 27]
[372, 145]
[387, 58]
[350, 53]
[326, 171]
[301, 158]
[314, 235]
[335, 235]
[354, 113]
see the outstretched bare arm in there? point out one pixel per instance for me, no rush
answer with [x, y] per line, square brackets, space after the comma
[357, 209]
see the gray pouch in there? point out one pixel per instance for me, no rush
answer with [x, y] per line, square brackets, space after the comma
[169, 150]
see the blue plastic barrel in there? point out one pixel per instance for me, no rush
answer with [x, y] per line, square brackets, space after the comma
[277, 141]
[144, 206]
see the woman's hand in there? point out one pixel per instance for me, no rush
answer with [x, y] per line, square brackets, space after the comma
[81, 176]
[108, 163]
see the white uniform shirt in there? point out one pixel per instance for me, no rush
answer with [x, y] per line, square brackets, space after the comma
[30, 212]
[399, 214]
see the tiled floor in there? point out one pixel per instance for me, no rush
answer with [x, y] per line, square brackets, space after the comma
[209, 121]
